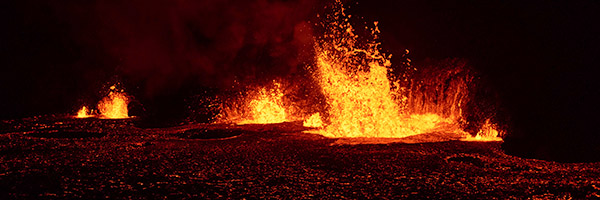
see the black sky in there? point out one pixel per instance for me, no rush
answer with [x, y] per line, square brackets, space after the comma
[542, 56]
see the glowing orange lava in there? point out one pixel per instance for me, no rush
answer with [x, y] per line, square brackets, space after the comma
[114, 106]
[363, 100]
[314, 121]
[266, 107]
[84, 113]
[488, 132]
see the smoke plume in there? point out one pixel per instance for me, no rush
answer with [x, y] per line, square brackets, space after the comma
[161, 46]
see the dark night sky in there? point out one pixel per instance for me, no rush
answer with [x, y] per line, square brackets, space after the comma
[541, 56]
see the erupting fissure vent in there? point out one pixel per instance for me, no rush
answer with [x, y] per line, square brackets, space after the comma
[84, 113]
[113, 106]
[365, 101]
[263, 105]
[488, 132]
[314, 121]
[267, 107]
[363, 97]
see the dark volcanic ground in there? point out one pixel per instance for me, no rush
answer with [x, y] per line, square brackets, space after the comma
[56, 156]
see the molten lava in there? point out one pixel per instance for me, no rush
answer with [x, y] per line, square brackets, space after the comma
[488, 132]
[84, 113]
[364, 101]
[354, 79]
[114, 106]
[266, 107]
[363, 98]
[314, 121]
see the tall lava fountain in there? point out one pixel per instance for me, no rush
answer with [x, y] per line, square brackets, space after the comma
[363, 99]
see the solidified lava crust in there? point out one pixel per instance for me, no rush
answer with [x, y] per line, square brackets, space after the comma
[277, 161]
[66, 134]
[211, 133]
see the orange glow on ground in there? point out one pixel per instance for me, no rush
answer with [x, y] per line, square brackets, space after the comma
[114, 106]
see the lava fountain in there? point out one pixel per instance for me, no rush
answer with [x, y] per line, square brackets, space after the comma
[84, 113]
[114, 106]
[363, 99]
[267, 107]
[314, 121]
[488, 132]
[262, 105]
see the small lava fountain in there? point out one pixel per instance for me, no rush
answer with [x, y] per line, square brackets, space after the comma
[314, 121]
[267, 107]
[263, 105]
[84, 113]
[113, 106]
